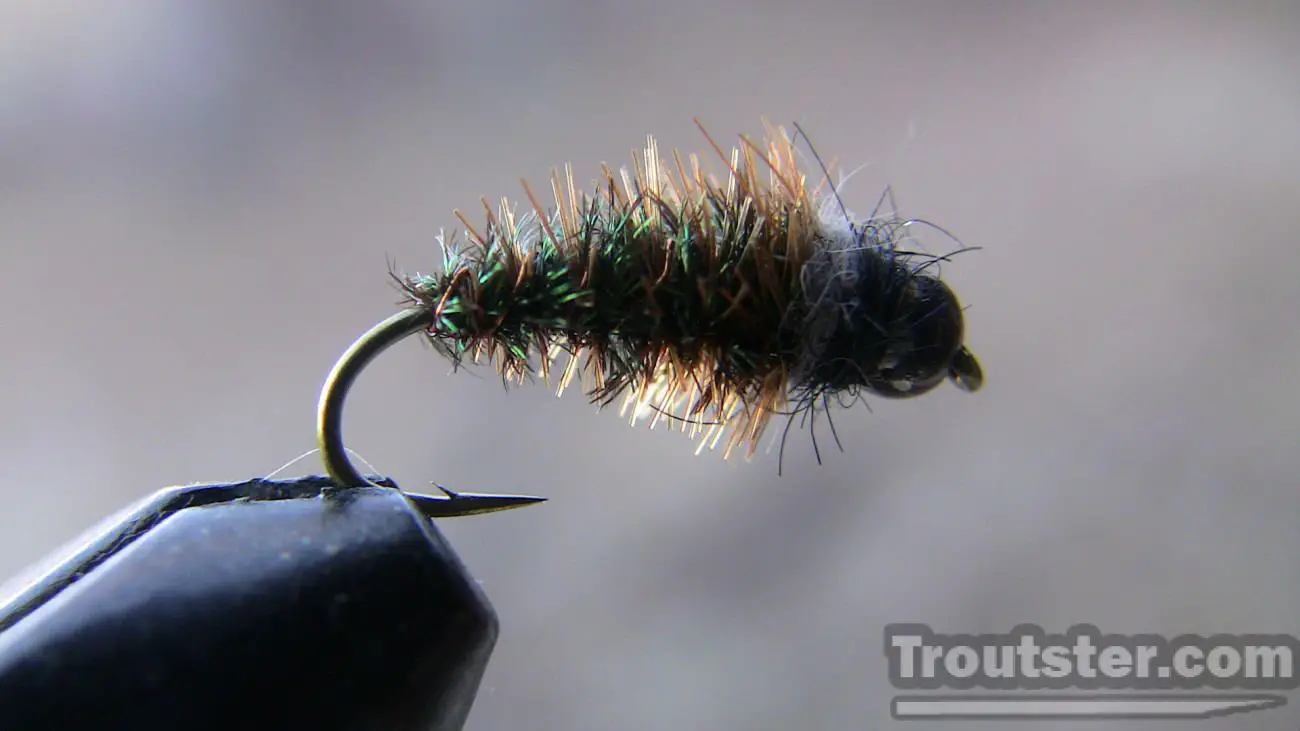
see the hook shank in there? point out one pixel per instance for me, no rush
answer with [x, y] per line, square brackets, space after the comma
[329, 421]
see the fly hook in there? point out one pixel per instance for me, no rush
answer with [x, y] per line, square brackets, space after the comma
[329, 422]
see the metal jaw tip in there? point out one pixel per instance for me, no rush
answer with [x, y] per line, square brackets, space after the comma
[329, 423]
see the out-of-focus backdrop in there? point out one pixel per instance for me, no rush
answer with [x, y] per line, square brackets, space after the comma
[198, 202]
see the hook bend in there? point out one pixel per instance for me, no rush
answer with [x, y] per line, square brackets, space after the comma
[329, 422]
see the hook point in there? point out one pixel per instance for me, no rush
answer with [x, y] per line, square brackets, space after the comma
[455, 504]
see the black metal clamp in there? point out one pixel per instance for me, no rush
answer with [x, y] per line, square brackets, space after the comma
[328, 603]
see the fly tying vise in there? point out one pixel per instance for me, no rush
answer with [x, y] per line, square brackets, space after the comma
[716, 305]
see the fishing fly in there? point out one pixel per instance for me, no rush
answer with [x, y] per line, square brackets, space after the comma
[715, 304]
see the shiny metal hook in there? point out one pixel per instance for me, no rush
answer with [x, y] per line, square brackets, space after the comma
[329, 422]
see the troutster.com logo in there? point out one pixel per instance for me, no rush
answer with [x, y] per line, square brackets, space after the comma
[1083, 673]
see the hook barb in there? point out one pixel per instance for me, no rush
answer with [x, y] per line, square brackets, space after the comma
[453, 504]
[329, 422]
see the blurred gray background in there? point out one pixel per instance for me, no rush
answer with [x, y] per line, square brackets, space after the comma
[198, 201]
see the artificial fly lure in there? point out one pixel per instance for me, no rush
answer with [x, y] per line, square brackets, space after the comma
[714, 304]
[718, 305]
